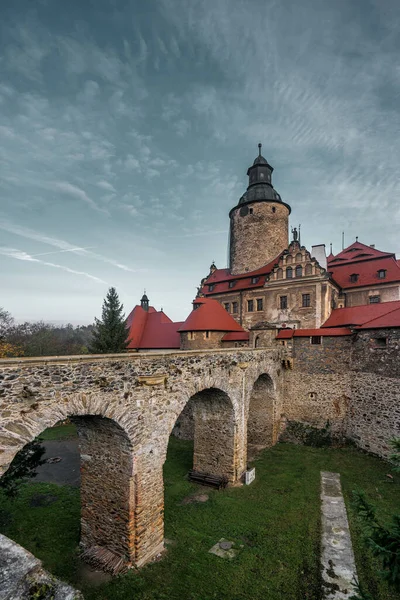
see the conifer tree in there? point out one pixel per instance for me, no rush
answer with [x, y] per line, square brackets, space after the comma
[110, 333]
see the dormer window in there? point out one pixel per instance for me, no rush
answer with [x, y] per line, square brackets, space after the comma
[382, 273]
[354, 277]
[211, 287]
[232, 284]
[255, 279]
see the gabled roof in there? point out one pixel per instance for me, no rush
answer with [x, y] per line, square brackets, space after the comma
[209, 315]
[357, 316]
[364, 261]
[357, 252]
[152, 330]
[289, 333]
[220, 279]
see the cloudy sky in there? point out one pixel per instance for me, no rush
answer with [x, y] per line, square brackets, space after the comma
[126, 129]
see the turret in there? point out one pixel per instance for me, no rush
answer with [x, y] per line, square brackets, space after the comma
[259, 229]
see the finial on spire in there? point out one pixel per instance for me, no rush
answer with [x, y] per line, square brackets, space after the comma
[259, 149]
[356, 238]
[331, 247]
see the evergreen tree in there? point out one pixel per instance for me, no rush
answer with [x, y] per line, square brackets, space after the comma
[110, 334]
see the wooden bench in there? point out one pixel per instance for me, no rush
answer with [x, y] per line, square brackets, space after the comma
[217, 481]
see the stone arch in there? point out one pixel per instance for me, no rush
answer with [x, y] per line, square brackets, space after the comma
[107, 478]
[257, 341]
[107, 501]
[208, 417]
[260, 421]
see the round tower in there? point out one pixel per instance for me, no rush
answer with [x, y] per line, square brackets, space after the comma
[259, 228]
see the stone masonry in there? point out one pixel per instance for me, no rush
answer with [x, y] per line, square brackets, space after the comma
[125, 407]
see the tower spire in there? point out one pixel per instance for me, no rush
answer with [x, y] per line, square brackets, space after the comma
[259, 149]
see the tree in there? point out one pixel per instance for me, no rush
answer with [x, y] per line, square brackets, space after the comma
[22, 467]
[384, 541]
[6, 323]
[110, 333]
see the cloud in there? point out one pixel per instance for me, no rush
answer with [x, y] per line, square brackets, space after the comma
[105, 185]
[78, 193]
[24, 256]
[65, 246]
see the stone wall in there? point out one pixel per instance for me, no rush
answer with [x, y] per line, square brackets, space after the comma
[331, 356]
[268, 222]
[260, 424]
[214, 435]
[22, 576]
[377, 351]
[351, 383]
[106, 466]
[201, 340]
[142, 396]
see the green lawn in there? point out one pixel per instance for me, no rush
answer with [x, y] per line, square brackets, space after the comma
[276, 520]
[63, 431]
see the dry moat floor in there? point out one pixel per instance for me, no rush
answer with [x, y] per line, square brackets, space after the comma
[274, 522]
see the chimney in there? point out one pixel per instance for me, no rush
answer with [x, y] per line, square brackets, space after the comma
[318, 252]
[372, 245]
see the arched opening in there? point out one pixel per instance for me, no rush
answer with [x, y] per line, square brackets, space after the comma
[96, 456]
[257, 342]
[208, 419]
[260, 422]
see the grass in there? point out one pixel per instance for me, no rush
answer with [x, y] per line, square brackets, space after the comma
[62, 431]
[276, 519]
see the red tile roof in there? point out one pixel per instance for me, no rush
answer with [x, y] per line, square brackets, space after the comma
[152, 330]
[236, 336]
[365, 262]
[289, 333]
[356, 252]
[209, 315]
[357, 316]
[390, 319]
[220, 278]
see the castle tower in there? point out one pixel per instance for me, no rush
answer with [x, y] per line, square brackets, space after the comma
[259, 223]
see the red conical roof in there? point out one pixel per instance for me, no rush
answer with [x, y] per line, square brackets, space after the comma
[209, 315]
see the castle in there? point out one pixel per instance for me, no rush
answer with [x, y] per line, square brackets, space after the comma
[274, 290]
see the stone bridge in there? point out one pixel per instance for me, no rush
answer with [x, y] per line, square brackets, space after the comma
[125, 408]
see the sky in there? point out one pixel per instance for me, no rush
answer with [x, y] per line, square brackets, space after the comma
[127, 127]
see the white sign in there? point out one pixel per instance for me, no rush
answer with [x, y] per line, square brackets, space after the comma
[249, 476]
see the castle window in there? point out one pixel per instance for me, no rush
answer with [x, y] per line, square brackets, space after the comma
[251, 211]
[250, 305]
[354, 277]
[211, 287]
[226, 306]
[299, 271]
[382, 273]
[232, 284]
[257, 342]
[289, 273]
[259, 303]
[380, 342]
[374, 299]
[283, 302]
[191, 335]
[306, 300]
[234, 307]
[255, 279]
[308, 270]
[273, 209]
[315, 339]
[207, 334]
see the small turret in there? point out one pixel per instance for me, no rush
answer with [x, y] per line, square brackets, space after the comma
[144, 302]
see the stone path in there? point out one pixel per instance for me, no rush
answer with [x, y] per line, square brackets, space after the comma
[337, 558]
